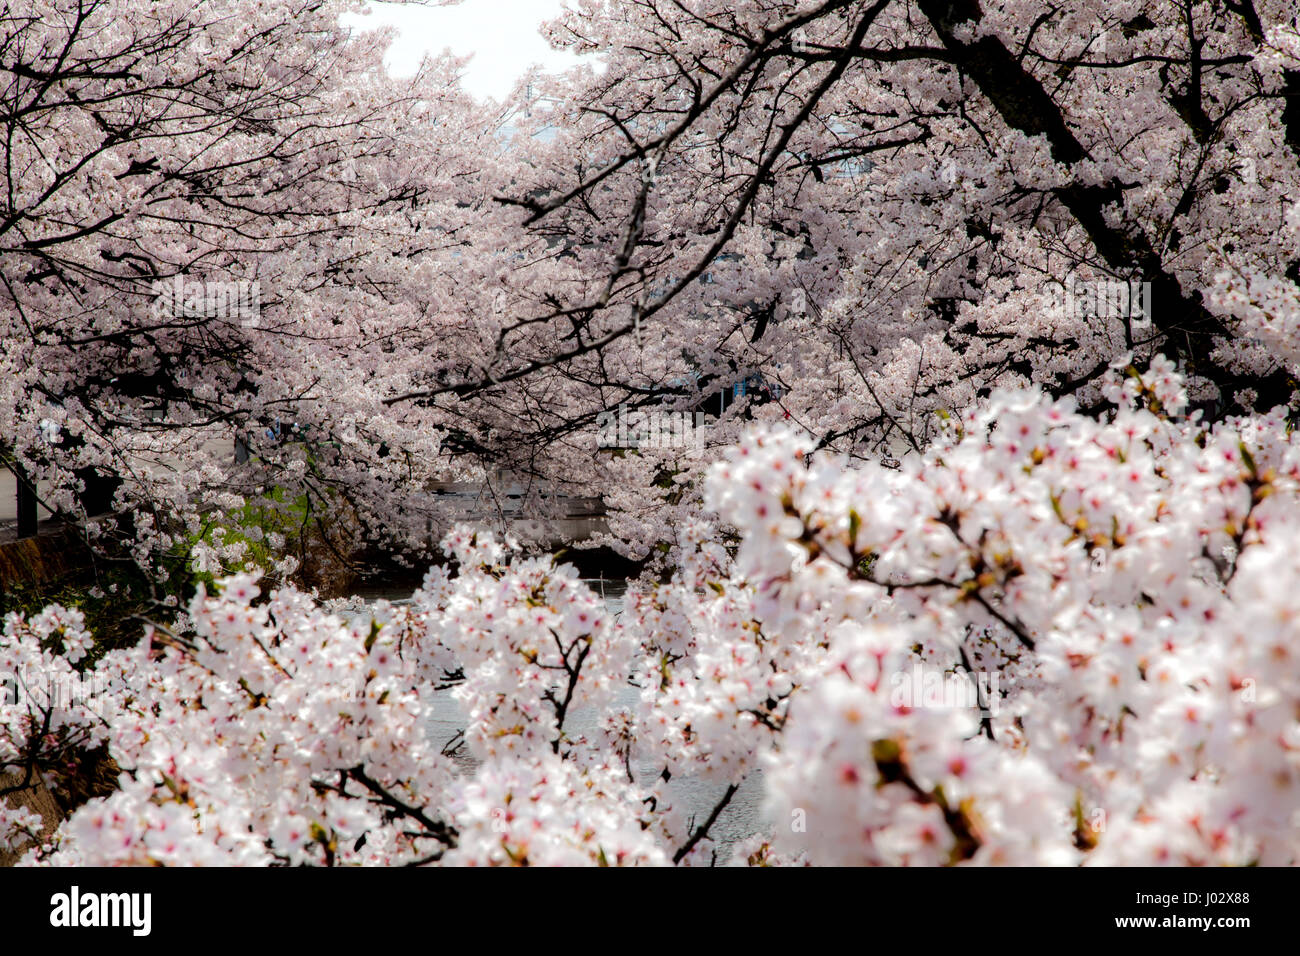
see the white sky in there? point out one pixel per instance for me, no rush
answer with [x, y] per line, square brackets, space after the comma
[501, 34]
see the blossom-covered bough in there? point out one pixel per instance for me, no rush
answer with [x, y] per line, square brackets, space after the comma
[1129, 581]
[227, 235]
[889, 209]
[874, 206]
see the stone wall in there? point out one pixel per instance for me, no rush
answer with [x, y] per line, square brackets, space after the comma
[35, 798]
[46, 557]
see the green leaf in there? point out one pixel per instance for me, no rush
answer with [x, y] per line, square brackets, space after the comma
[1247, 457]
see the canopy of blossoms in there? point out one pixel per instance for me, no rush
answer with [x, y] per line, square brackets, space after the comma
[1121, 593]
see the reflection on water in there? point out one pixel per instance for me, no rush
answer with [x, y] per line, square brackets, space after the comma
[741, 818]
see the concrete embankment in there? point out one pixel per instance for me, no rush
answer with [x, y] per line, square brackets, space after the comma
[54, 553]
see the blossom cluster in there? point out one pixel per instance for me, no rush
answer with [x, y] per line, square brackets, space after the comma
[1130, 579]
[1150, 696]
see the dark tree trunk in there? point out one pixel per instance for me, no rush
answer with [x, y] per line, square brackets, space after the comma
[27, 511]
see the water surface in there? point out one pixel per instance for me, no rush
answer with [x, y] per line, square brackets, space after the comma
[740, 819]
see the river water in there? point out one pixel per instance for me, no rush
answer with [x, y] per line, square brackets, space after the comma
[739, 820]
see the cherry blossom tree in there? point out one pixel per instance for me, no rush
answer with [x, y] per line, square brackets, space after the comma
[228, 235]
[887, 210]
[1043, 259]
[1138, 713]
[881, 210]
